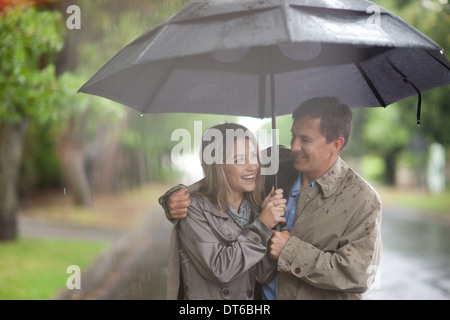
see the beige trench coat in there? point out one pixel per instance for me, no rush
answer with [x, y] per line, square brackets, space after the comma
[335, 245]
[219, 259]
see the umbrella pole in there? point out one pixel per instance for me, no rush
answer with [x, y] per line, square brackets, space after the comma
[275, 155]
[274, 128]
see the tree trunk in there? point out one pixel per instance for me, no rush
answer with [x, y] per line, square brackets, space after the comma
[390, 161]
[71, 155]
[12, 138]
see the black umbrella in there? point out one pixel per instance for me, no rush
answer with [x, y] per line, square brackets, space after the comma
[262, 58]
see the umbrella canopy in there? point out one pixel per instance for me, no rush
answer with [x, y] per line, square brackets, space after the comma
[244, 57]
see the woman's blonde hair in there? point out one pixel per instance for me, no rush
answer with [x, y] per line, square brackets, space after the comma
[215, 186]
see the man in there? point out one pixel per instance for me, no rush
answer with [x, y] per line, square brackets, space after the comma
[331, 245]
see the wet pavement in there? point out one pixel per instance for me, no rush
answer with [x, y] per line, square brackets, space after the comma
[415, 262]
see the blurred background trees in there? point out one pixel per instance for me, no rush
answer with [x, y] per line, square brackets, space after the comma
[53, 139]
[400, 143]
[29, 42]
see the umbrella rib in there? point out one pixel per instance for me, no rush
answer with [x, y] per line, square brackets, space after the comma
[371, 84]
[284, 12]
[160, 85]
[151, 44]
[438, 60]
[262, 95]
[406, 80]
[264, 69]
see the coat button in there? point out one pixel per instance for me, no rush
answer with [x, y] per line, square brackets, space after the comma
[249, 293]
[297, 270]
[256, 239]
[226, 292]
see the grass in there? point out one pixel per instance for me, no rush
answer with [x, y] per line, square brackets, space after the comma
[32, 269]
[421, 201]
[35, 269]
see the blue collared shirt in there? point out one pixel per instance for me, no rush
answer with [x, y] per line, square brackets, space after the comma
[270, 288]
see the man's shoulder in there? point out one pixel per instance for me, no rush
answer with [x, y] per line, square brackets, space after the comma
[359, 187]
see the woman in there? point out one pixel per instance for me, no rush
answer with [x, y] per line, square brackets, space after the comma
[224, 239]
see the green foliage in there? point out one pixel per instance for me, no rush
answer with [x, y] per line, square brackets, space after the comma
[387, 129]
[433, 19]
[372, 168]
[30, 40]
[109, 25]
[40, 168]
[88, 110]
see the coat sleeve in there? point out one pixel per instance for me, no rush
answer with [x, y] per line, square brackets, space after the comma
[213, 259]
[162, 199]
[352, 267]
[266, 269]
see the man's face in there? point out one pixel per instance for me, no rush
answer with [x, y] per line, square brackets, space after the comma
[312, 154]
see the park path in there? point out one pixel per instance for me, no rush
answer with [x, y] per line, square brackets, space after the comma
[32, 227]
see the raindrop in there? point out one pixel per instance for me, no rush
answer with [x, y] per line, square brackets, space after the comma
[301, 51]
[230, 55]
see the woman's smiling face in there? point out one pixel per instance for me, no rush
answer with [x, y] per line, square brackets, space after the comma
[241, 167]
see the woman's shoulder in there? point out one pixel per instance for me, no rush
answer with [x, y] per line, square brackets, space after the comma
[200, 201]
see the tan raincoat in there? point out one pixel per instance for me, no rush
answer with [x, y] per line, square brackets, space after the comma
[335, 245]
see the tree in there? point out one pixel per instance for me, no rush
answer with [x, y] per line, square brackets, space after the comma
[80, 125]
[431, 17]
[390, 132]
[91, 149]
[387, 134]
[30, 40]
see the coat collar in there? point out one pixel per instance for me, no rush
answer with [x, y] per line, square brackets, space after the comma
[214, 209]
[331, 180]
